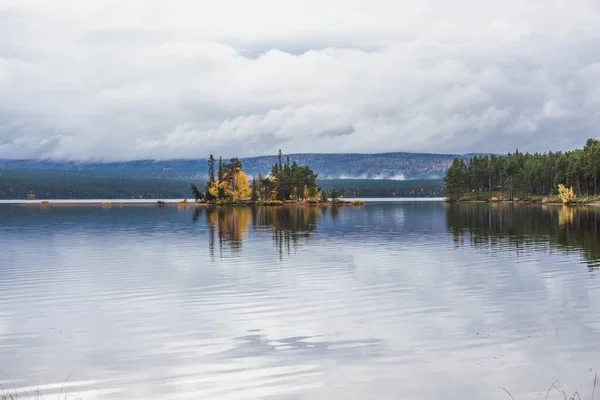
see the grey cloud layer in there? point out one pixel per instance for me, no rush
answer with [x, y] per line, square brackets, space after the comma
[156, 80]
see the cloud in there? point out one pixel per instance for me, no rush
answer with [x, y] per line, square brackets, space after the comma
[155, 80]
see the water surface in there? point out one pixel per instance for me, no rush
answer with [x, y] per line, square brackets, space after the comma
[412, 300]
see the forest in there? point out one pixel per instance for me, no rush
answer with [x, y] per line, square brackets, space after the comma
[44, 184]
[524, 174]
[355, 188]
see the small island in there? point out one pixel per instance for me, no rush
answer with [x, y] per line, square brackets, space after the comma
[571, 177]
[287, 183]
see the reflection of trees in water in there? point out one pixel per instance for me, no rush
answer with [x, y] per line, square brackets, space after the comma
[334, 211]
[289, 224]
[229, 225]
[520, 225]
[566, 216]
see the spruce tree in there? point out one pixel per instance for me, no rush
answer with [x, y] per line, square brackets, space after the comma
[254, 194]
[221, 174]
[211, 169]
[211, 177]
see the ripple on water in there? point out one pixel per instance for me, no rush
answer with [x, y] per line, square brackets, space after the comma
[394, 299]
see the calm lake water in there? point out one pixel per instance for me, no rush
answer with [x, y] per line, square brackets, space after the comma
[411, 300]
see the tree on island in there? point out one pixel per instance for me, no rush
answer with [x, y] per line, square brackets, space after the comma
[198, 196]
[220, 192]
[334, 194]
[232, 184]
[292, 182]
[324, 198]
[254, 190]
[211, 177]
[287, 181]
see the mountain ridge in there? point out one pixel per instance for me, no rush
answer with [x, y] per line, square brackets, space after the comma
[389, 165]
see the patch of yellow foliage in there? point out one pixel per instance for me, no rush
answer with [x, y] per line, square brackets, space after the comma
[234, 188]
[241, 186]
[213, 190]
[566, 194]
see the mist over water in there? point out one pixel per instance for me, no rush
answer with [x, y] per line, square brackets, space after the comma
[416, 300]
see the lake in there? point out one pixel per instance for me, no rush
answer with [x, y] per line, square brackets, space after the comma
[411, 300]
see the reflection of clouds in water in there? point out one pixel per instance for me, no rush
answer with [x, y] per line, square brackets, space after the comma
[342, 318]
[4, 324]
[259, 345]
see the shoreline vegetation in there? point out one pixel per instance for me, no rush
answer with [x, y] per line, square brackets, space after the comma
[498, 197]
[570, 178]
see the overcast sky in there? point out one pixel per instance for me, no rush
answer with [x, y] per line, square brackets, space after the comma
[156, 79]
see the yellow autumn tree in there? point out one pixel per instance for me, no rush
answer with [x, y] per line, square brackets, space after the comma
[234, 187]
[566, 194]
[214, 190]
[225, 189]
[306, 193]
[241, 186]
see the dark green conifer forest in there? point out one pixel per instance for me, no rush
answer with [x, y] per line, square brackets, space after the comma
[526, 174]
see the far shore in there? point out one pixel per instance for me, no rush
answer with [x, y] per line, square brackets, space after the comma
[178, 203]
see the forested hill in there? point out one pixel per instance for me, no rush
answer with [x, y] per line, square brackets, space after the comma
[327, 166]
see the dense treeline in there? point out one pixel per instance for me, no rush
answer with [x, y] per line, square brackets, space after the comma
[386, 188]
[392, 192]
[525, 174]
[24, 184]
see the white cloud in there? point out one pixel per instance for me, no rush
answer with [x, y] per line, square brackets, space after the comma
[182, 79]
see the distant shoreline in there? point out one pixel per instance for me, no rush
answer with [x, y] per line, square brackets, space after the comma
[178, 203]
[169, 202]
